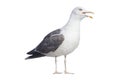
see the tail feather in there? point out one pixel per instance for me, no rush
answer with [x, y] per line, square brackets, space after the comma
[34, 54]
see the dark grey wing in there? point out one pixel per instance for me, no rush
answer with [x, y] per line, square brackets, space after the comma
[51, 42]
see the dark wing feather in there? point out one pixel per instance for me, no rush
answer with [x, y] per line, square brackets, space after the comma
[51, 42]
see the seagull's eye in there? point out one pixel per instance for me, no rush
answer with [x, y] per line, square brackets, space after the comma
[80, 9]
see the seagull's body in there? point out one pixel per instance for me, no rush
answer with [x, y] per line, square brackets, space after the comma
[71, 34]
[61, 41]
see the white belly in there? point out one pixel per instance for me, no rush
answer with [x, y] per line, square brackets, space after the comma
[69, 44]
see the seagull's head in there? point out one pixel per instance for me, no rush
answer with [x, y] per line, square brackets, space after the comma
[81, 13]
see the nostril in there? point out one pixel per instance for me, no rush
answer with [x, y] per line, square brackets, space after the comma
[83, 12]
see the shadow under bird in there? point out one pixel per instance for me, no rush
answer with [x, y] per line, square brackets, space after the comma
[63, 40]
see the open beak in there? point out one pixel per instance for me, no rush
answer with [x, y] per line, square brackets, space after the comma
[88, 12]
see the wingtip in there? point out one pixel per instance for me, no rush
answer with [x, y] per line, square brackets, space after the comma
[27, 58]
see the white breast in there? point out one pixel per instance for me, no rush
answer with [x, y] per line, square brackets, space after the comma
[71, 41]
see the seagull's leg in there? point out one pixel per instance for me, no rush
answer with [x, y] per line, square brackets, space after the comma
[66, 66]
[65, 63]
[56, 72]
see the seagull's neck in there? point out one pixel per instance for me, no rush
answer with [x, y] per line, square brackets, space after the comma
[73, 23]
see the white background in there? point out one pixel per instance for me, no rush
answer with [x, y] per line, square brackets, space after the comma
[24, 23]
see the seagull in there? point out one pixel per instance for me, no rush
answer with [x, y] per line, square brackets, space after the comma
[61, 41]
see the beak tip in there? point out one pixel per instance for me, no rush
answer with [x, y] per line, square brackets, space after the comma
[90, 17]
